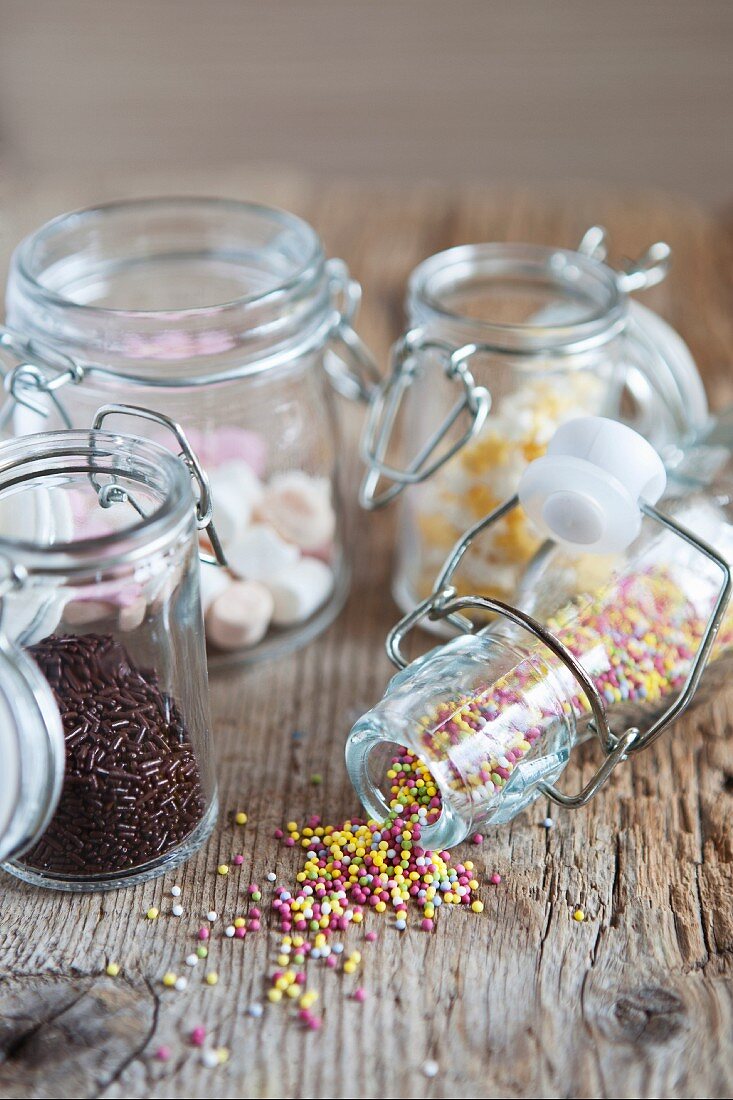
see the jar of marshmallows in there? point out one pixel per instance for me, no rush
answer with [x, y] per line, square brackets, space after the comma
[227, 317]
[506, 342]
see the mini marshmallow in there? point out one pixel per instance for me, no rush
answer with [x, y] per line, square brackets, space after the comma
[259, 553]
[300, 591]
[212, 582]
[236, 491]
[299, 508]
[229, 443]
[240, 615]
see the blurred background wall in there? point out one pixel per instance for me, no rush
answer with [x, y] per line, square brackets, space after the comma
[624, 91]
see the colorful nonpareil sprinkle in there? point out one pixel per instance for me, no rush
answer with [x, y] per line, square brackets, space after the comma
[163, 1054]
[112, 969]
[240, 818]
[579, 915]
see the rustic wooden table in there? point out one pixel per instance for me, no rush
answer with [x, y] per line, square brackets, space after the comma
[522, 1001]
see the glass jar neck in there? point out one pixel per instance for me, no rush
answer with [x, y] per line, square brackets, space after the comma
[517, 299]
[38, 474]
[169, 291]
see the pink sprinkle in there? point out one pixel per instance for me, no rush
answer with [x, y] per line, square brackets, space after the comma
[254, 926]
[496, 878]
[278, 834]
[300, 978]
[289, 842]
[163, 1054]
[238, 860]
[360, 995]
[203, 933]
[240, 933]
[255, 913]
[198, 1036]
[477, 838]
[252, 888]
[314, 1023]
[370, 937]
[331, 962]
[426, 924]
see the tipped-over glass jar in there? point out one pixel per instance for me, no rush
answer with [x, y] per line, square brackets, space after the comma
[615, 622]
[107, 775]
[227, 317]
[505, 343]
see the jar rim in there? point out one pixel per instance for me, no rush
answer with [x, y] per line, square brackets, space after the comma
[150, 534]
[217, 244]
[456, 268]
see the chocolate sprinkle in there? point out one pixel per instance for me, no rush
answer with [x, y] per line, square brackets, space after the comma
[131, 788]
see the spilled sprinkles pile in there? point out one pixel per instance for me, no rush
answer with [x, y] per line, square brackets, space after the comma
[360, 866]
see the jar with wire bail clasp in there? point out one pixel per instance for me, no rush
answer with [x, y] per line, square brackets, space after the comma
[620, 622]
[108, 773]
[227, 317]
[505, 342]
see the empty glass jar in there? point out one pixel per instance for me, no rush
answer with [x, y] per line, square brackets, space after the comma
[107, 774]
[227, 317]
[506, 342]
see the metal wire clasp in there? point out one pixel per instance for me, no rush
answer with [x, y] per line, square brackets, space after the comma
[348, 361]
[204, 503]
[443, 603]
[37, 372]
[409, 355]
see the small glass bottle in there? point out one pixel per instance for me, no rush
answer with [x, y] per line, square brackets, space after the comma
[506, 342]
[106, 739]
[229, 318]
[613, 625]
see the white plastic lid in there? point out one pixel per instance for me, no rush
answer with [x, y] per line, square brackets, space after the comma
[31, 751]
[586, 490]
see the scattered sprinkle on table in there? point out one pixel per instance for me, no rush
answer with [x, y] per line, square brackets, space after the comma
[222, 869]
[112, 969]
[152, 913]
[198, 1036]
[240, 818]
[177, 910]
[163, 1054]
[579, 915]
[548, 823]
[176, 891]
[430, 1067]
[212, 977]
[169, 979]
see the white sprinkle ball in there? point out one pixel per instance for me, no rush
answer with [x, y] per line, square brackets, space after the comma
[400, 925]
[337, 948]
[192, 960]
[210, 1059]
[181, 984]
[176, 891]
[271, 876]
[212, 915]
[229, 931]
[430, 1067]
[548, 823]
[177, 910]
[255, 1010]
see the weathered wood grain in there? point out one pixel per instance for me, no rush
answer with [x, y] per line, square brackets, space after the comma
[523, 1001]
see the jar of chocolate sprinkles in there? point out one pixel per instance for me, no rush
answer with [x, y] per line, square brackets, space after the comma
[104, 717]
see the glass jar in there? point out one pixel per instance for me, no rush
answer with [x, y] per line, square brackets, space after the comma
[107, 775]
[614, 624]
[506, 342]
[227, 317]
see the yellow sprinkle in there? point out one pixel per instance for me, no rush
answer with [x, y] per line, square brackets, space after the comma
[113, 969]
[222, 869]
[239, 922]
[308, 999]
[292, 991]
[274, 995]
[223, 1055]
[152, 913]
[169, 979]
[212, 977]
[477, 906]
[349, 967]
[283, 960]
[240, 818]
[291, 826]
[579, 915]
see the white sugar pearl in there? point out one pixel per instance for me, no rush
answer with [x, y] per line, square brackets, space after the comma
[192, 960]
[271, 876]
[299, 591]
[315, 953]
[181, 984]
[548, 823]
[229, 931]
[177, 910]
[255, 1010]
[400, 925]
[430, 1067]
[299, 508]
[212, 915]
[240, 615]
[210, 1059]
[176, 891]
[259, 553]
[337, 948]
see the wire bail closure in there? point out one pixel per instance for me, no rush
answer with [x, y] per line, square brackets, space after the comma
[204, 502]
[385, 406]
[444, 603]
[40, 372]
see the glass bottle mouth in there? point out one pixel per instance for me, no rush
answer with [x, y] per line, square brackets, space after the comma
[163, 289]
[50, 483]
[518, 299]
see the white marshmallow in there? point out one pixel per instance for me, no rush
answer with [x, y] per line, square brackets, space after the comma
[300, 591]
[236, 491]
[259, 553]
[239, 616]
[213, 580]
[299, 508]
